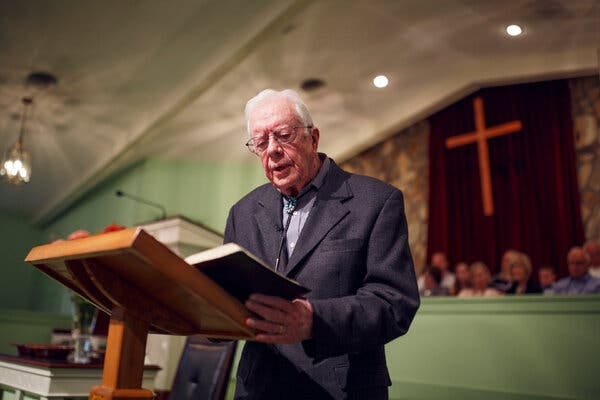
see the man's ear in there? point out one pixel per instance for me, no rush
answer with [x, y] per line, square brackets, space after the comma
[315, 137]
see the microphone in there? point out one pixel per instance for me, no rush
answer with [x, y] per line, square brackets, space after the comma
[121, 193]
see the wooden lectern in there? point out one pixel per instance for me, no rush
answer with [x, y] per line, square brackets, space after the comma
[144, 287]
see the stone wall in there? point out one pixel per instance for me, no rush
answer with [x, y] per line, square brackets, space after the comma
[402, 160]
[585, 98]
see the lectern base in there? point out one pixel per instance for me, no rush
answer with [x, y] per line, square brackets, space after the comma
[106, 393]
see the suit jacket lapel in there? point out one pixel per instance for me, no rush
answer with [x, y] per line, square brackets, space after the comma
[269, 224]
[327, 212]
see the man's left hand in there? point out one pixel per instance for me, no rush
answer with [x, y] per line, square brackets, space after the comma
[283, 321]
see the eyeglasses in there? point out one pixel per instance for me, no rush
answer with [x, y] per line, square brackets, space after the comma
[259, 144]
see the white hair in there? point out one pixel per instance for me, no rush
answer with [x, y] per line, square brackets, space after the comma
[288, 94]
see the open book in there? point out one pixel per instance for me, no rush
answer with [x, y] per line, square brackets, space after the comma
[241, 273]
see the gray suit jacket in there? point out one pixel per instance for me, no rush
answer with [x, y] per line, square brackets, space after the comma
[353, 253]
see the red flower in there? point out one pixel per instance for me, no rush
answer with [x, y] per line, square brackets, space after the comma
[114, 227]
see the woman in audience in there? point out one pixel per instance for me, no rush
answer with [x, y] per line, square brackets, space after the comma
[503, 280]
[480, 279]
[520, 271]
[463, 280]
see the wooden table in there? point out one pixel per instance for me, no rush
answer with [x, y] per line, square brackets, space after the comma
[54, 379]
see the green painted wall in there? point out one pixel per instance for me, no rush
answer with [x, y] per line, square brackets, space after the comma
[17, 236]
[19, 326]
[201, 191]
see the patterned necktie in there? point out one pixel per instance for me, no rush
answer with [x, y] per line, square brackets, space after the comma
[289, 204]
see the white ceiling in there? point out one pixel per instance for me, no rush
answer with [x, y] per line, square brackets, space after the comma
[170, 78]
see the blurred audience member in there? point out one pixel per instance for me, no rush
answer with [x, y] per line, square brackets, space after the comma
[432, 280]
[520, 272]
[579, 280]
[592, 248]
[546, 276]
[439, 260]
[480, 279]
[502, 281]
[463, 280]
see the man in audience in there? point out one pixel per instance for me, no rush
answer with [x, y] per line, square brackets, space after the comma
[433, 280]
[579, 280]
[592, 248]
[546, 276]
[440, 261]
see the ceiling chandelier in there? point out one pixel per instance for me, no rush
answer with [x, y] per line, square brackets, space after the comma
[15, 167]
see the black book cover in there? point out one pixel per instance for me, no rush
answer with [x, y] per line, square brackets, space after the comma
[241, 273]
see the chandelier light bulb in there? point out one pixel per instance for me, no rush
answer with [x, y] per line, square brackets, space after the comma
[16, 168]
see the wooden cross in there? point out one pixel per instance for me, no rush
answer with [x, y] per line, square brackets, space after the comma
[481, 135]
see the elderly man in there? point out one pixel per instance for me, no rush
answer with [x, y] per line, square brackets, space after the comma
[579, 280]
[342, 235]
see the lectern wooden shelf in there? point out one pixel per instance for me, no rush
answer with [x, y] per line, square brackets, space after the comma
[144, 287]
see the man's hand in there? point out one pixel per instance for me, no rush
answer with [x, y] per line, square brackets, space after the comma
[283, 321]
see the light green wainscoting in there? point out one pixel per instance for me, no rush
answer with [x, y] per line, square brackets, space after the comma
[502, 348]
[525, 347]
[522, 347]
[19, 326]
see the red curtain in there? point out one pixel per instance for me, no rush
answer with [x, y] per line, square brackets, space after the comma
[534, 179]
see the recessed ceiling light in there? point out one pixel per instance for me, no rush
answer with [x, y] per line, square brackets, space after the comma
[312, 84]
[514, 30]
[380, 81]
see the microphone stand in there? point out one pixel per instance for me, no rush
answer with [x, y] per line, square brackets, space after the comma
[121, 193]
